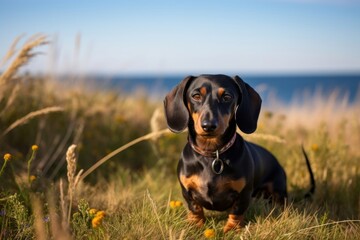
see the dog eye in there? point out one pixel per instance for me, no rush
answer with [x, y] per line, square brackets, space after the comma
[196, 97]
[227, 98]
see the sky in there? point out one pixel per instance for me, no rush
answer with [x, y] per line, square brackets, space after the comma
[187, 36]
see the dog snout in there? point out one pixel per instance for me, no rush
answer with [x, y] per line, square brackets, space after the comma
[209, 125]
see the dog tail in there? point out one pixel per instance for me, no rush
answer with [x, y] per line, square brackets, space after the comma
[312, 179]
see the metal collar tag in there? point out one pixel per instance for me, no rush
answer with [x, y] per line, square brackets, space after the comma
[215, 164]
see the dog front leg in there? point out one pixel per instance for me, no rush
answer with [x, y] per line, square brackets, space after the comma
[196, 214]
[236, 216]
[234, 222]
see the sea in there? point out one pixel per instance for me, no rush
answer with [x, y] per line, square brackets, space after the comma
[284, 88]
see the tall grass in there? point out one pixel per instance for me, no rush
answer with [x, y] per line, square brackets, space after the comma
[129, 188]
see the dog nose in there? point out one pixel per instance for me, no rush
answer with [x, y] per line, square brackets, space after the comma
[209, 126]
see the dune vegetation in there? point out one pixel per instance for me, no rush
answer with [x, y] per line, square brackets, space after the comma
[53, 133]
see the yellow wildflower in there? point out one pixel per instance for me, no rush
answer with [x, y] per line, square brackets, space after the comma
[92, 211]
[34, 147]
[7, 157]
[32, 178]
[96, 221]
[178, 203]
[172, 204]
[315, 147]
[175, 204]
[209, 233]
[100, 214]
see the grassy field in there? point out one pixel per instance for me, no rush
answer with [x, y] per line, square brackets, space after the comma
[52, 133]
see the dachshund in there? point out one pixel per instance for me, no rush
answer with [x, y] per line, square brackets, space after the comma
[218, 169]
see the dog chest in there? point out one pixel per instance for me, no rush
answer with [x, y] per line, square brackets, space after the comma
[212, 189]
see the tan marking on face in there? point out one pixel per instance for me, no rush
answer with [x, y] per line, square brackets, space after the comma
[203, 91]
[220, 92]
[193, 182]
[224, 122]
[236, 185]
[189, 106]
[197, 123]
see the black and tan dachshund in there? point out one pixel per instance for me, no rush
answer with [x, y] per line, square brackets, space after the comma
[218, 169]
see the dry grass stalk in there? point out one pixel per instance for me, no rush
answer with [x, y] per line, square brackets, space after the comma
[71, 171]
[155, 122]
[10, 52]
[54, 221]
[267, 137]
[10, 99]
[172, 236]
[122, 148]
[71, 164]
[58, 231]
[305, 230]
[39, 225]
[30, 116]
[77, 178]
[156, 213]
[22, 58]
[62, 205]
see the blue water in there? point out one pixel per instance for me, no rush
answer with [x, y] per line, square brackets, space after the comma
[286, 88]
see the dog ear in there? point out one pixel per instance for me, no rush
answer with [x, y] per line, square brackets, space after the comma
[176, 112]
[248, 109]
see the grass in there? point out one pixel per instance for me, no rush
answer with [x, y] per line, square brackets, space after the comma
[101, 188]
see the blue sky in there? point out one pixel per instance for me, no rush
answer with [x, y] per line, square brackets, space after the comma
[188, 36]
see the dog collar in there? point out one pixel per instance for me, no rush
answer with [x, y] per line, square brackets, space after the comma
[217, 161]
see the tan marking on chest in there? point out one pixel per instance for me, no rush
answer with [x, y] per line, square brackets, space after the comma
[193, 182]
[236, 185]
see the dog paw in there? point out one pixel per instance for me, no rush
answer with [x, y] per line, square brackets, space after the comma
[196, 219]
[234, 222]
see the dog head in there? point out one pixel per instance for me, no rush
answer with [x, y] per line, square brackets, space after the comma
[210, 103]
